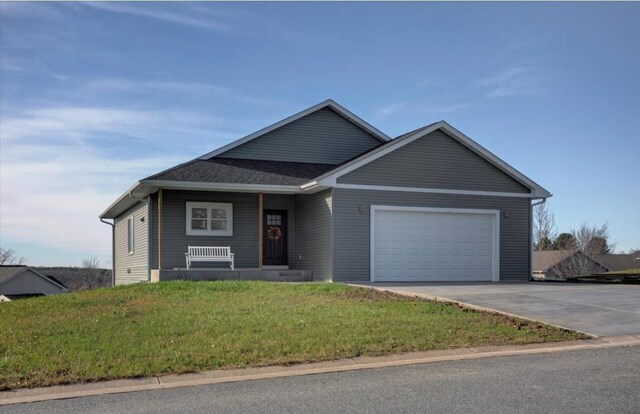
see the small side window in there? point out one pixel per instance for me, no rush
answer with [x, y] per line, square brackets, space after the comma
[130, 235]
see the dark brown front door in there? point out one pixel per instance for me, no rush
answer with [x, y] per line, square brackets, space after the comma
[275, 237]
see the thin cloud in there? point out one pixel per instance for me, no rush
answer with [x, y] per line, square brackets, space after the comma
[72, 124]
[54, 195]
[515, 80]
[154, 12]
[418, 109]
[57, 174]
[427, 82]
[144, 86]
[118, 85]
[388, 110]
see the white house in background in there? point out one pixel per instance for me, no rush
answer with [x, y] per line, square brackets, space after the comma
[22, 281]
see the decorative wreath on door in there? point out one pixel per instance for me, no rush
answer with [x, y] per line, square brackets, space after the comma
[274, 233]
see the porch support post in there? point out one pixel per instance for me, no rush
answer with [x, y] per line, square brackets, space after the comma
[260, 230]
[160, 229]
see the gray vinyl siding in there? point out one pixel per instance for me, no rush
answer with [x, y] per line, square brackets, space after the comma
[434, 161]
[313, 234]
[131, 268]
[244, 242]
[322, 137]
[351, 238]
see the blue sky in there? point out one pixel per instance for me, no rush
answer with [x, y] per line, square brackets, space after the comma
[95, 96]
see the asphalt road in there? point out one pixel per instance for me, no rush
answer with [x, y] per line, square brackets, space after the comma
[595, 381]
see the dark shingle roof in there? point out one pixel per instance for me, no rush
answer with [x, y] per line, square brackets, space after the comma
[546, 259]
[6, 272]
[231, 170]
[619, 261]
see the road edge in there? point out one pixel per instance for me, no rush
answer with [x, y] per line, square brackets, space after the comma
[29, 395]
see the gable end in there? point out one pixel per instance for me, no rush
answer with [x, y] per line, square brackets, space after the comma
[435, 160]
[323, 137]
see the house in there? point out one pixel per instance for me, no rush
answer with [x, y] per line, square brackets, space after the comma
[326, 194]
[560, 264]
[22, 281]
[620, 261]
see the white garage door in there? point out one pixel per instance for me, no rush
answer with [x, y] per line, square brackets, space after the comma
[429, 244]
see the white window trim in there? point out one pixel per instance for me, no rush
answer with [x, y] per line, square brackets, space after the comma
[495, 276]
[131, 234]
[209, 205]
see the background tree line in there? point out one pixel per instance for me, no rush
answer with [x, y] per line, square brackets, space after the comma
[588, 238]
[88, 276]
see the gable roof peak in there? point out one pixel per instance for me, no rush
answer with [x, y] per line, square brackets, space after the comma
[327, 103]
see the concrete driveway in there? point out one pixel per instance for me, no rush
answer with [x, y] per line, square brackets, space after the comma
[597, 309]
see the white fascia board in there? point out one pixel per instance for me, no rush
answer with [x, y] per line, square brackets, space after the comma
[328, 103]
[431, 190]
[235, 187]
[330, 178]
[144, 188]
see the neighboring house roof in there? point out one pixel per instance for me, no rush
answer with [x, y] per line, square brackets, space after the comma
[8, 273]
[231, 170]
[54, 279]
[546, 259]
[619, 261]
[329, 103]
[329, 178]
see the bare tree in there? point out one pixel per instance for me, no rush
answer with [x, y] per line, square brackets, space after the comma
[592, 239]
[589, 241]
[8, 257]
[91, 272]
[544, 227]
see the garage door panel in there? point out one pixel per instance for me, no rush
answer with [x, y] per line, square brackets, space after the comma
[432, 245]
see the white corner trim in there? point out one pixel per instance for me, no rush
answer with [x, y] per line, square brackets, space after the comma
[495, 276]
[131, 234]
[329, 103]
[431, 190]
[331, 177]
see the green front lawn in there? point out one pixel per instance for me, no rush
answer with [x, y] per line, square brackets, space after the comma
[177, 327]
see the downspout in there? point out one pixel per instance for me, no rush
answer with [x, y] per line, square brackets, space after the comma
[113, 250]
[542, 201]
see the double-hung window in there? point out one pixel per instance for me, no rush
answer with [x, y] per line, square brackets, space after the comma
[209, 219]
[131, 235]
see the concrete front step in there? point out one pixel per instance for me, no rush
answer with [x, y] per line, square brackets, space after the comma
[271, 275]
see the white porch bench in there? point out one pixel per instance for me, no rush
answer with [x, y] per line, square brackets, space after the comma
[209, 254]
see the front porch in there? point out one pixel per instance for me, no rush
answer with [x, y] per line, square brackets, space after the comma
[268, 275]
[273, 236]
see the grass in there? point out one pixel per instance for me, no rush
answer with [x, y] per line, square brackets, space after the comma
[623, 272]
[178, 327]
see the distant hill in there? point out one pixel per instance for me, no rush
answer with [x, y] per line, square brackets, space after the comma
[77, 278]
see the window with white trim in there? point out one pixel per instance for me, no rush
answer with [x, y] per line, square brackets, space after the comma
[209, 219]
[131, 235]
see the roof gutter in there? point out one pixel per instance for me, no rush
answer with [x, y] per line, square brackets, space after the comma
[309, 185]
[127, 193]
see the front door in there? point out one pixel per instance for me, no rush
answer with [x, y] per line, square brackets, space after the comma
[275, 238]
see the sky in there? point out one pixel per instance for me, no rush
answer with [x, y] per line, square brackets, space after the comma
[95, 96]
